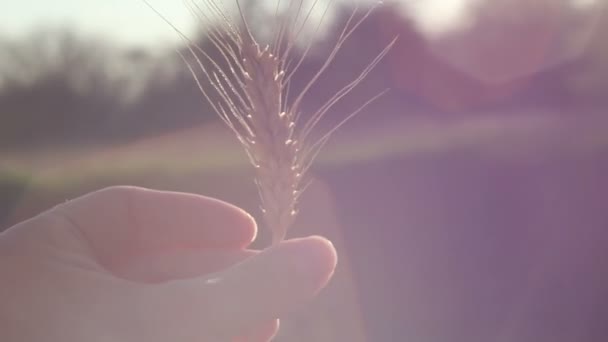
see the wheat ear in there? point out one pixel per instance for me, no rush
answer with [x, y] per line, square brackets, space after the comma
[250, 93]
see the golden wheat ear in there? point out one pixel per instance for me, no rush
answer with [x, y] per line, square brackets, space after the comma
[249, 90]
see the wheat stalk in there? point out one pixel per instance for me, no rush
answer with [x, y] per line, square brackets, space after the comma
[250, 93]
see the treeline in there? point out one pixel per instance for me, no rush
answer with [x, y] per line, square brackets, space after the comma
[58, 87]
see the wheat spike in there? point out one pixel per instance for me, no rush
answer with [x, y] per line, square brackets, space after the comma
[250, 93]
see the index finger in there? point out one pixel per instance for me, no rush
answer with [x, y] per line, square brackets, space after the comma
[125, 220]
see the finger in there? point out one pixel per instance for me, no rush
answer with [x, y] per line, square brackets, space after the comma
[260, 289]
[180, 264]
[263, 333]
[122, 221]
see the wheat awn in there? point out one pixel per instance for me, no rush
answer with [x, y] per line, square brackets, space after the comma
[250, 92]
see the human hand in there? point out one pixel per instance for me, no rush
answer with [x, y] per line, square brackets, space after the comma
[131, 264]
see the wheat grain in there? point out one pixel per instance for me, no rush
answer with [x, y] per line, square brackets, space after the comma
[250, 93]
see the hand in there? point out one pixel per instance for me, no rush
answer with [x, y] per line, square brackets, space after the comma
[131, 264]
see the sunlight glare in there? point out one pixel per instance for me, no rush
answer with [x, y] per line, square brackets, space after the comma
[436, 17]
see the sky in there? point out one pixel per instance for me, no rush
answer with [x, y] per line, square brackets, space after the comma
[131, 22]
[127, 21]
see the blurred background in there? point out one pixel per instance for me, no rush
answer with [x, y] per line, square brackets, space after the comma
[470, 203]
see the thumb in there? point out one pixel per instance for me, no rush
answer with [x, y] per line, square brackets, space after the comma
[245, 296]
